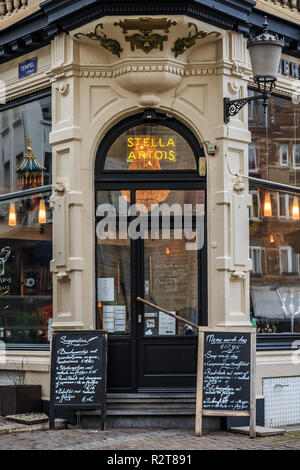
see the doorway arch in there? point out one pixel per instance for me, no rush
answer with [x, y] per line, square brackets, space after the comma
[151, 243]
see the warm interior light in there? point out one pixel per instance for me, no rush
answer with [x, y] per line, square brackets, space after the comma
[272, 238]
[148, 198]
[42, 212]
[167, 251]
[12, 217]
[295, 209]
[267, 205]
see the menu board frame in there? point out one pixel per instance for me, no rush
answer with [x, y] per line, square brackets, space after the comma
[100, 402]
[200, 411]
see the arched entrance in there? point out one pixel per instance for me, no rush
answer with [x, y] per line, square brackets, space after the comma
[151, 243]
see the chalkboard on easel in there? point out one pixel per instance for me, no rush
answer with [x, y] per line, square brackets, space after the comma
[78, 372]
[226, 375]
[226, 371]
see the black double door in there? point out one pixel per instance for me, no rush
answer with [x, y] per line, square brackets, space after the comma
[162, 261]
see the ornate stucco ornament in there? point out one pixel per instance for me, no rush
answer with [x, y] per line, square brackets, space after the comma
[182, 44]
[146, 40]
[112, 45]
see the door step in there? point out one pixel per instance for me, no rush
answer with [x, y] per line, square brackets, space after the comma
[146, 410]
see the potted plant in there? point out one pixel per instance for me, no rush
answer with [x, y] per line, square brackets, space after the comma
[19, 397]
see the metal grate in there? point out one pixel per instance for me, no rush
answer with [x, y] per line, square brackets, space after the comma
[282, 401]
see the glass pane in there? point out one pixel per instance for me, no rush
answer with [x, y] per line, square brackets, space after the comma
[113, 285]
[171, 282]
[274, 153]
[25, 144]
[150, 147]
[275, 251]
[25, 278]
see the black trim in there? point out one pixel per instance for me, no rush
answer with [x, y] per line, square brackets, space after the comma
[56, 16]
[277, 341]
[26, 99]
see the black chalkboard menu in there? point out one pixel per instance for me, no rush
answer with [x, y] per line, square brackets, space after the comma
[78, 372]
[226, 371]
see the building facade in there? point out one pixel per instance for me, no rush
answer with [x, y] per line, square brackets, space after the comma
[107, 105]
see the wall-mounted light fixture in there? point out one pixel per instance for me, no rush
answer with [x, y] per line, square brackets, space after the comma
[12, 216]
[265, 52]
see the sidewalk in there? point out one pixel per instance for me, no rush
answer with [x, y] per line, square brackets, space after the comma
[137, 439]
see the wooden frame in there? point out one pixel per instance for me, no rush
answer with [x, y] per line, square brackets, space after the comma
[200, 373]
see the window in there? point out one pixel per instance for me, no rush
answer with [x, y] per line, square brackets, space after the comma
[275, 222]
[255, 211]
[275, 137]
[289, 260]
[296, 156]
[25, 224]
[22, 127]
[284, 154]
[150, 147]
[257, 255]
[252, 158]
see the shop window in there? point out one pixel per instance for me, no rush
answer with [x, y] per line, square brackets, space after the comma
[25, 223]
[25, 279]
[275, 137]
[149, 147]
[24, 131]
[275, 235]
[274, 250]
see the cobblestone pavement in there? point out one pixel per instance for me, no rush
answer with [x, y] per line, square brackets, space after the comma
[135, 439]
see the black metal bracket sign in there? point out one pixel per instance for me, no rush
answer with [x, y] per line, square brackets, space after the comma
[226, 375]
[78, 372]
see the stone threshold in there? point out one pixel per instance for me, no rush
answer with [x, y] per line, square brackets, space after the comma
[260, 431]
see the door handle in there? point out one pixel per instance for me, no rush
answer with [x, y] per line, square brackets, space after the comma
[139, 318]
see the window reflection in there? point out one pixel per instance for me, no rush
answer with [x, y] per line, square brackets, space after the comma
[24, 126]
[274, 250]
[274, 153]
[25, 278]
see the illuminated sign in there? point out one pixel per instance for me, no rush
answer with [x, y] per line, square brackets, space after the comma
[151, 148]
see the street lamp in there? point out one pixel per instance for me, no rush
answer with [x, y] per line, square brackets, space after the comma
[265, 51]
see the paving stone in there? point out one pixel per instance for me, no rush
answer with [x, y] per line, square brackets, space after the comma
[146, 439]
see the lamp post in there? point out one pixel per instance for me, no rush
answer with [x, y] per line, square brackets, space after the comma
[265, 52]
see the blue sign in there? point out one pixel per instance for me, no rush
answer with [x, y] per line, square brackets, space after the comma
[27, 68]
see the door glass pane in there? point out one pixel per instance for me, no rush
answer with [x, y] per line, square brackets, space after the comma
[171, 282]
[113, 286]
[112, 264]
